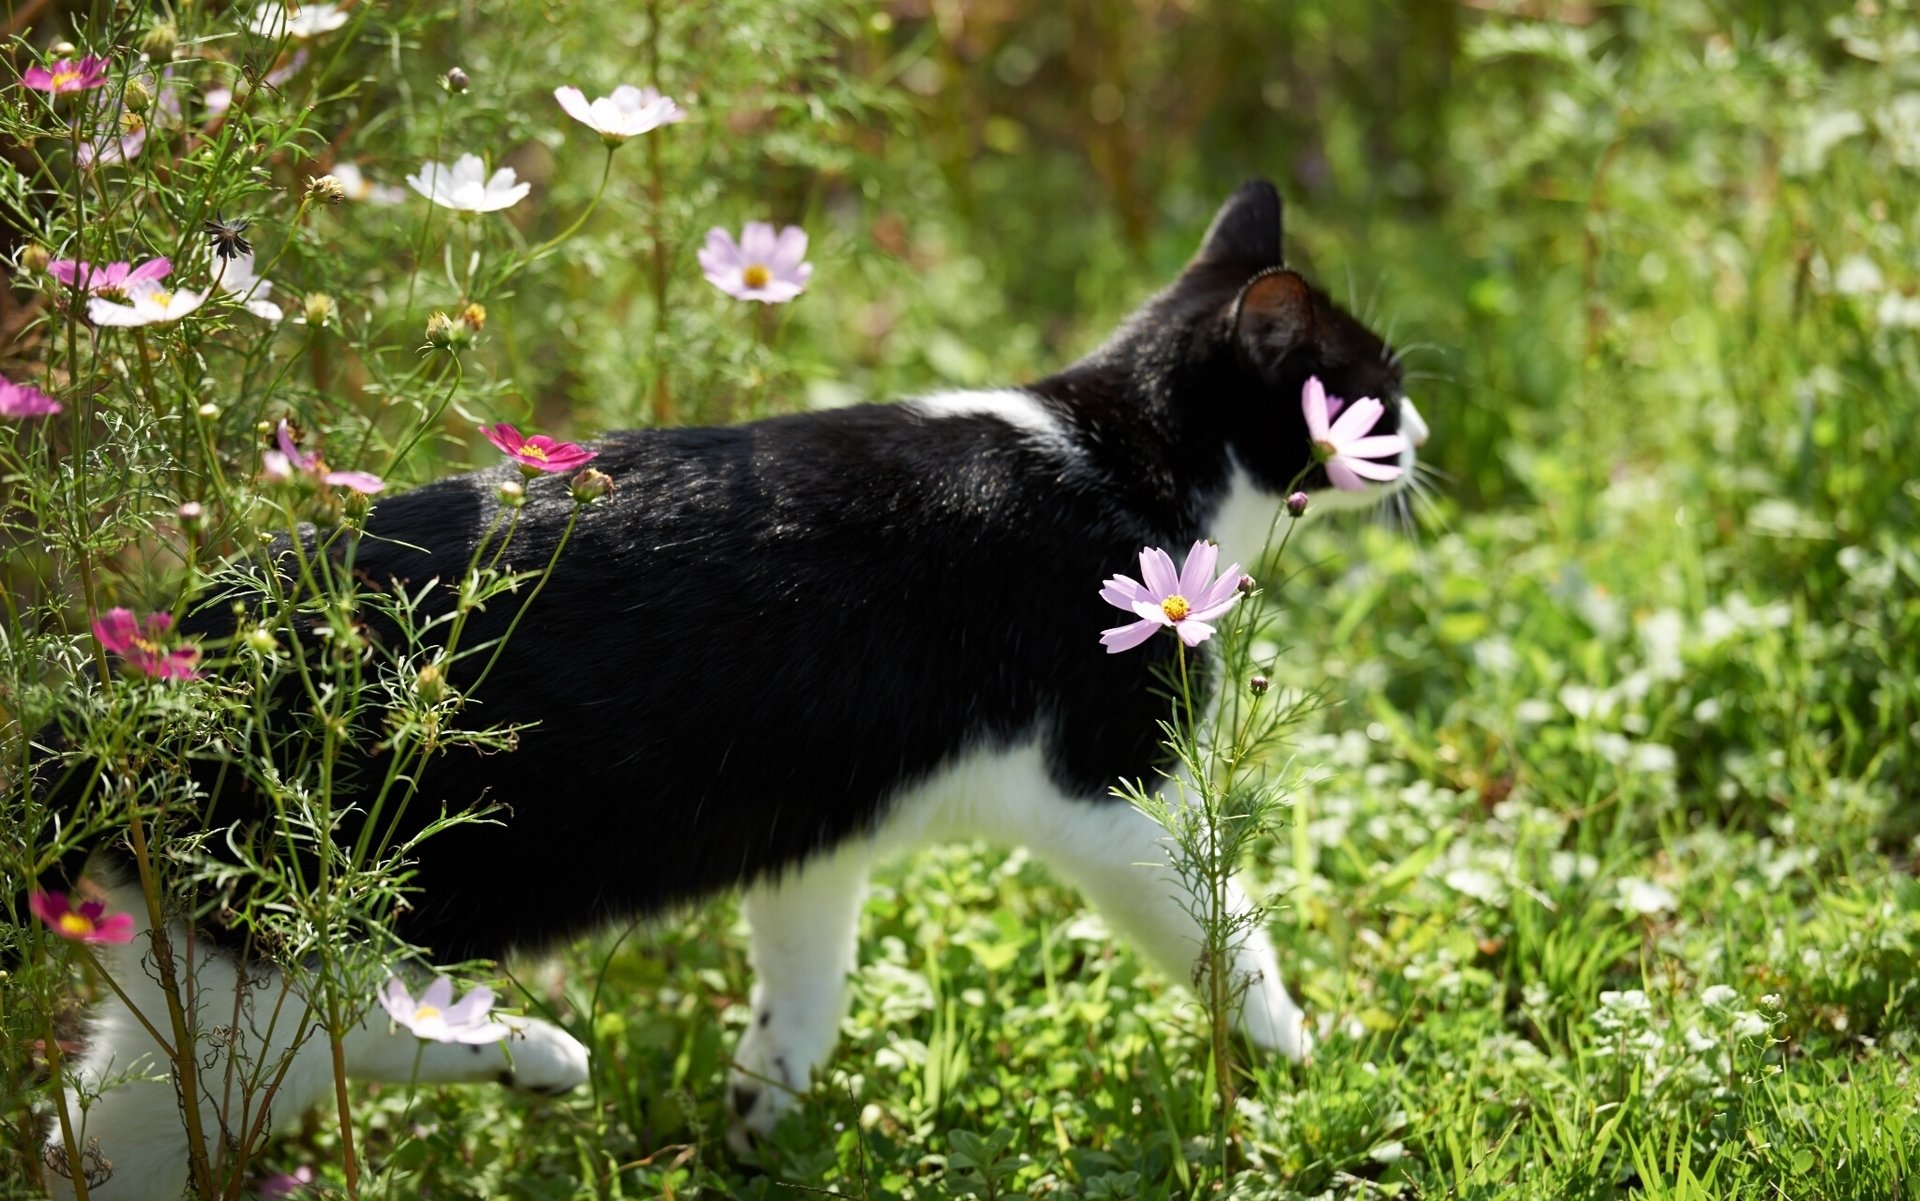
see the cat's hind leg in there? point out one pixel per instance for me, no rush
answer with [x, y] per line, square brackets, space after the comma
[806, 925]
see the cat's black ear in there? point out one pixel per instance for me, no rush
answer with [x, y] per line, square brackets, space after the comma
[1246, 230]
[1273, 318]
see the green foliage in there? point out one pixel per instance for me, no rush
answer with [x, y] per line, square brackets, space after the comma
[1600, 881]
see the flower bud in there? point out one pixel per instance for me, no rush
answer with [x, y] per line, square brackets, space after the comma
[512, 493]
[326, 189]
[319, 308]
[159, 42]
[207, 411]
[63, 49]
[456, 80]
[356, 504]
[261, 641]
[138, 97]
[1258, 685]
[34, 257]
[192, 516]
[591, 485]
[440, 330]
[1297, 504]
[430, 685]
[1246, 585]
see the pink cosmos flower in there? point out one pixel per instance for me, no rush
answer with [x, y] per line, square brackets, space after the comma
[282, 465]
[87, 923]
[67, 75]
[1344, 447]
[539, 453]
[111, 280]
[437, 1016]
[24, 400]
[138, 645]
[628, 113]
[281, 1185]
[1183, 602]
[764, 266]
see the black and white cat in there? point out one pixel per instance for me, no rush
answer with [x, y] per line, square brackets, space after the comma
[786, 649]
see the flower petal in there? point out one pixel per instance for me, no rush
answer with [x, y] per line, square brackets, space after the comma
[1125, 638]
[1361, 416]
[1192, 632]
[1197, 572]
[1313, 401]
[1341, 477]
[1368, 468]
[1379, 446]
[1156, 570]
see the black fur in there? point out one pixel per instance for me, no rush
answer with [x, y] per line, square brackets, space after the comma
[769, 630]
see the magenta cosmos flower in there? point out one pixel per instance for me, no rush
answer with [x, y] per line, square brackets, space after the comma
[1343, 446]
[111, 280]
[283, 464]
[67, 75]
[539, 453]
[23, 400]
[764, 266]
[89, 922]
[138, 645]
[438, 1017]
[1183, 601]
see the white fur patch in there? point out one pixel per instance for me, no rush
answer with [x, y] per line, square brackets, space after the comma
[1021, 410]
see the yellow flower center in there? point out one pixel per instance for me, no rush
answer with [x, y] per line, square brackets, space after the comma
[62, 78]
[533, 452]
[756, 276]
[74, 926]
[159, 299]
[1176, 607]
[424, 1012]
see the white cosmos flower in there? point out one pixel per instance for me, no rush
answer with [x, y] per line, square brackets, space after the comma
[296, 20]
[236, 278]
[467, 187]
[629, 112]
[360, 188]
[148, 303]
[438, 1017]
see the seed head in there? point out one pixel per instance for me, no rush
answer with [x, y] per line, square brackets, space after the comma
[228, 237]
[440, 330]
[326, 189]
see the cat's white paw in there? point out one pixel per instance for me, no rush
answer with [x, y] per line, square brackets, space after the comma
[1273, 1022]
[772, 1071]
[542, 1058]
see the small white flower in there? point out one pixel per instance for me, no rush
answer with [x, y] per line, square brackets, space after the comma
[467, 187]
[1749, 1025]
[629, 112]
[296, 20]
[1719, 996]
[1700, 1043]
[437, 1017]
[1645, 898]
[148, 303]
[236, 278]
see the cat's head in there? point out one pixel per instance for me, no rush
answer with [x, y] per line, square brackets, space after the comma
[1268, 331]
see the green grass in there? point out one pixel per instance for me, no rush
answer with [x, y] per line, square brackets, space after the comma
[1631, 715]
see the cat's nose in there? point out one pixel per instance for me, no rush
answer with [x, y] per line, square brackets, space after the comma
[1412, 424]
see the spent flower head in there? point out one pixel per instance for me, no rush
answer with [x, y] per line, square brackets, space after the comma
[537, 454]
[438, 1017]
[1342, 446]
[326, 189]
[140, 645]
[628, 112]
[88, 921]
[1184, 601]
[466, 187]
[763, 265]
[19, 401]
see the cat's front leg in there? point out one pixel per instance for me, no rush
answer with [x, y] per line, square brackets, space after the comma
[806, 925]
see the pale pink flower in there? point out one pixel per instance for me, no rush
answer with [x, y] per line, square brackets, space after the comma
[466, 186]
[111, 280]
[138, 643]
[219, 100]
[296, 20]
[629, 112]
[235, 276]
[87, 922]
[67, 75]
[438, 1017]
[359, 188]
[1184, 602]
[147, 304]
[1343, 446]
[24, 400]
[281, 465]
[764, 266]
[538, 453]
